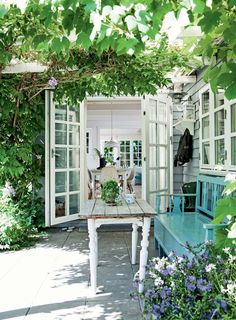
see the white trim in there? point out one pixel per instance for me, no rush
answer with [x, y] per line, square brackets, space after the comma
[47, 158]
[83, 154]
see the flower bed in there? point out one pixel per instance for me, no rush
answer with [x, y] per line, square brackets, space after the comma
[203, 287]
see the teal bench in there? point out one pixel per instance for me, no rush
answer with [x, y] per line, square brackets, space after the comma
[174, 228]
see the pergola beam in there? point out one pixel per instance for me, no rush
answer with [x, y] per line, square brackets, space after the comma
[24, 67]
[183, 79]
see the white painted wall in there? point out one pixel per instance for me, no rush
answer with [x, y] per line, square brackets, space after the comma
[126, 115]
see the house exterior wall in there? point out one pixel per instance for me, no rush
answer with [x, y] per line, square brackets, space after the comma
[190, 170]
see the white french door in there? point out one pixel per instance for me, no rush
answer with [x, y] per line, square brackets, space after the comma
[65, 162]
[156, 151]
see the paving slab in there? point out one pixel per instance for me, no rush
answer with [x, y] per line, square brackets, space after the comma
[50, 281]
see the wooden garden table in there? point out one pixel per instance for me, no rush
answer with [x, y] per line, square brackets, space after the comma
[97, 212]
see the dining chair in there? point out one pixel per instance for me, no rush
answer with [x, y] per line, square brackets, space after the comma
[109, 173]
[130, 179]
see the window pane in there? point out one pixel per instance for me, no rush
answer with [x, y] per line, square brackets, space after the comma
[205, 102]
[233, 117]
[206, 153]
[153, 133]
[233, 151]
[153, 157]
[60, 157]
[74, 180]
[60, 182]
[219, 151]
[74, 135]
[162, 157]
[161, 111]
[74, 114]
[162, 134]
[60, 206]
[163, 178]
[61, 112]
[153, 180]
[152, 110]
[205, 128]
[219, 123]
[61, 133]
[74, 203]
[219, 99]
[74, 158]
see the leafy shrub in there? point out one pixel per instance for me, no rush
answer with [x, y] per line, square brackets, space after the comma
[202, 287]
[226, 211]
[19, 221]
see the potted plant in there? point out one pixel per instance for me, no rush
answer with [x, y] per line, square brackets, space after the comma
[110, 191]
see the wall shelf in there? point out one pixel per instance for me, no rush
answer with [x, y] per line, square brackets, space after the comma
[182, 124]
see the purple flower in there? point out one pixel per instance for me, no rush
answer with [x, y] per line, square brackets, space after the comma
[191, 278]
[203, 285]
[52, 82]
[148, 293]
[190, 286]
[205, 255]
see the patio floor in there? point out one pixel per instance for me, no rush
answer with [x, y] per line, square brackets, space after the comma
[50, 280]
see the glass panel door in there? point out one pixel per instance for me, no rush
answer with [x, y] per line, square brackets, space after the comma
[156, 140]
[65, 162]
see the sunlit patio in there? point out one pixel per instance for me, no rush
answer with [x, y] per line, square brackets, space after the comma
[51, 279]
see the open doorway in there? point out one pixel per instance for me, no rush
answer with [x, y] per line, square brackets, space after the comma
[119, 119]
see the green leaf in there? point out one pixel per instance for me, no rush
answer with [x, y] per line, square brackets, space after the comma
[57, 45]
[210, 20]
[65, 43]
[230, 92]
[199, 6]
[225, 207]
[3, 11]
[68, 20]
[225, 79]
[83, 39]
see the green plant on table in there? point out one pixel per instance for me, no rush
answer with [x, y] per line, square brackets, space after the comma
[198, 288]
[110, 191]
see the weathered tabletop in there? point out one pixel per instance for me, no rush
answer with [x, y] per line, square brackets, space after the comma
[97, 208]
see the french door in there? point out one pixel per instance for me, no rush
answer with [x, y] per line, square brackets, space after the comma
[65, 174]
[156, 154]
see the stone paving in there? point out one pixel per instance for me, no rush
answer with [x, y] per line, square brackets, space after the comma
[50, 281]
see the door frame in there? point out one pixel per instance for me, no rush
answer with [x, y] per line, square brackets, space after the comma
[49, 175]
[145, 141]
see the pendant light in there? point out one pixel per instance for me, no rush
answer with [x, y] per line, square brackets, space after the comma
[111, 143]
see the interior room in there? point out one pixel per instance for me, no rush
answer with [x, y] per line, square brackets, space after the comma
[114, 133]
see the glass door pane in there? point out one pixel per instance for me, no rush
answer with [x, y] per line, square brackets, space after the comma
[65, 163]
[233, 117]
[233, 151]
[206, 153]
[219, 123]
[219, 151]
[157, 146]
[205, 102]
[205, 128]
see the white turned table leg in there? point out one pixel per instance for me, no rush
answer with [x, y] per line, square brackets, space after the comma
[134, 242]
[93, 254]
[144, 251]
[96, 239]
